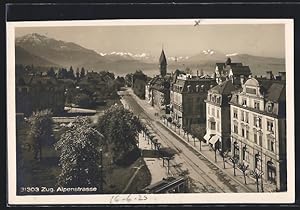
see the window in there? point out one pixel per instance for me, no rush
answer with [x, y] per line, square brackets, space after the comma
[247, 117]
[270, 107]
[235, 114]
[213, 125]
[247, 134]
[271, 144]
[235, 129]
[270, 126]
[256, 105]
[260, 140]
[255, 138]
[218, 127]
[243, 132]
[251, 90]
[244, 152]
[213, 111]
[208, 109]
[244, 102]
[218, 113]
[197, 88]
[257, 121]
[189, 88]
[271, 171]
[242, 116]
[218, 100]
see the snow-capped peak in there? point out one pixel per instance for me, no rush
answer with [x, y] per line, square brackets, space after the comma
[208, 52]
[125, 54]
[232, 54]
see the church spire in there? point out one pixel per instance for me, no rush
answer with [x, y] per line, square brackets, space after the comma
[163, 63]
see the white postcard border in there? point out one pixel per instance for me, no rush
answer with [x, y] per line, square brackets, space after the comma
[183, 198]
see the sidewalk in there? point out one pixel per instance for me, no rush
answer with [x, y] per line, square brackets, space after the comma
[155, 165]
[207, 152]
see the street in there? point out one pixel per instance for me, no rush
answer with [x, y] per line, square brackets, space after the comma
[204, 176]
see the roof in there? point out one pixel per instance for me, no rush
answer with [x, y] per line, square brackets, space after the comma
[162, 58]
[221, 66]
[240, 70]
[159, 83]
[191, 84]
[276, 92]
[225, 88]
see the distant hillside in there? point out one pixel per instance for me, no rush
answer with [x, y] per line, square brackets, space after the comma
[26, 58]
[37, 49]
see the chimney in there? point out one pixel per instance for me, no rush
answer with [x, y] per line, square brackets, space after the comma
[282, 75]
[242, 79]
[270, 75]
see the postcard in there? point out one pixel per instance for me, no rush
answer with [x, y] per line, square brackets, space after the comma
[150, 111]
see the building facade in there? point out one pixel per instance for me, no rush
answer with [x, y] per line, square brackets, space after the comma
[236, 72]
[218, 115]
[139, 80]
[187, 99]
[258, 128]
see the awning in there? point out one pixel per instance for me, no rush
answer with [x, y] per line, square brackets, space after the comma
[207, 137]
[214, 139]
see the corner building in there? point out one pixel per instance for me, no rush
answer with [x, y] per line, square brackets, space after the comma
[258, 128]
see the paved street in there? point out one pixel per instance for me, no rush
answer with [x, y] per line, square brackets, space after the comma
[205, 176]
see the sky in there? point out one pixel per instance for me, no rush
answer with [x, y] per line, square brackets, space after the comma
[185, 40]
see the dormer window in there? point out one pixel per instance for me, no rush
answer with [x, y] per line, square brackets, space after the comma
[189, 88]
[244, 102]
[270, 107]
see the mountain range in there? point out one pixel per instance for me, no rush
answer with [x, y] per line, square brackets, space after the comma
[41, 50]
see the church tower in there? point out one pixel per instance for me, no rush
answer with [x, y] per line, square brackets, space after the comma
[163, 64]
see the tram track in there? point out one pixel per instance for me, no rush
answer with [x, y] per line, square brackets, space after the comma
[208, 184]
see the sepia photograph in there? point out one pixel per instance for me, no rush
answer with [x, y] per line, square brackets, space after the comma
[150, 111]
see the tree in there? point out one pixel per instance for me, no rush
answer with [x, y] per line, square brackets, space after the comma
[70, 74]
[62, 73]
[80, 155]
[51, 73]
[128, 79]
[82, 73]
[82, 100]
[120, 129]
[77, 73]
[41, 131]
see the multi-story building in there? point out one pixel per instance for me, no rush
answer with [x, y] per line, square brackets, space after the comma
[187, 99]
[236, 72]
[158, 92]
[139, 80]
[218, 115]
[258, 128]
